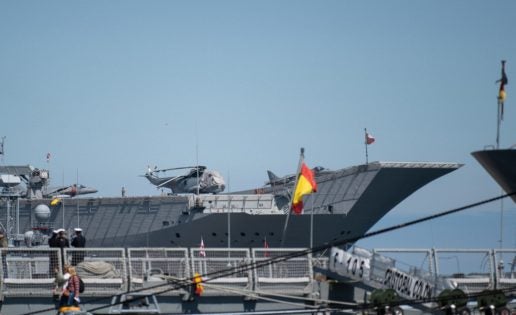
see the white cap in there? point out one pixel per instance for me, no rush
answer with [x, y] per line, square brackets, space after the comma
[60, 230]
[55, 231]
[77, 230]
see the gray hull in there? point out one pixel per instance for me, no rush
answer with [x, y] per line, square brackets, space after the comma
[348, 203]
[501, 165]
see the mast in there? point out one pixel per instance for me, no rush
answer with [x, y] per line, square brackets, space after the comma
[301, 159]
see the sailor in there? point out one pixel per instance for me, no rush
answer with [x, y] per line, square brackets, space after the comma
[53, 238]
[62, 240]
[79, 241]
[123, 191]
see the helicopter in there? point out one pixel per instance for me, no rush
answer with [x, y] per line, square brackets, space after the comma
[197, 180]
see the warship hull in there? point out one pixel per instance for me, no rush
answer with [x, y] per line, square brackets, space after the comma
[348, 203]
[501, 165]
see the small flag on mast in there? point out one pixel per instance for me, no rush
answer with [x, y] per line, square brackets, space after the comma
[501, 92]
[305, 185]
[266, 247]
[202, 252]
[48, 157]
[369, 139]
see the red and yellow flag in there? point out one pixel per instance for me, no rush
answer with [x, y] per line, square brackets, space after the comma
[305, 185]
[197, 280]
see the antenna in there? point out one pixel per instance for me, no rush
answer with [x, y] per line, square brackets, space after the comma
[77, 192]
[2, 152]
[197, 157]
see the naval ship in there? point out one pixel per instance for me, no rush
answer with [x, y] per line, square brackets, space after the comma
[348, 203]
[501, 165]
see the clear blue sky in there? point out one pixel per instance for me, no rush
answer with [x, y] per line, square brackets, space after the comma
[109, 87]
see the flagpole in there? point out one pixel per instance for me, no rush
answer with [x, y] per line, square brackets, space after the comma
[498, 126]
[312, 225]
[301, 158]
[501, 98]
[365, 143]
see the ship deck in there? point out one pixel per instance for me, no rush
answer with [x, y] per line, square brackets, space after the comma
[242, 280]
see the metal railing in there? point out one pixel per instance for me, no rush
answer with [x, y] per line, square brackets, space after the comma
[28, 272]
[291, 277]
[151, 267]
[166, 271]
[169, 271]
[218, 264]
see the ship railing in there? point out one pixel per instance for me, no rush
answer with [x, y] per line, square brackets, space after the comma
[252, 204]
[291, 277]
[153, 268]
[219, 267]
[103, 270]
[28, 272]
[505, 263]
[471, 270]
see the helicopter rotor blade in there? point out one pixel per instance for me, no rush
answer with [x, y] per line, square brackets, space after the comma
[180, 168]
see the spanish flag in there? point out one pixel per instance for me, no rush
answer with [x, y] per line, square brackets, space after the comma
[305, 185]
[501, 92]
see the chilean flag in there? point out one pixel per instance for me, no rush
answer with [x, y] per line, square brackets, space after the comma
[368, 138]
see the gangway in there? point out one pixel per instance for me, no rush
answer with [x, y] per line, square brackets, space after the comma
[434, 276]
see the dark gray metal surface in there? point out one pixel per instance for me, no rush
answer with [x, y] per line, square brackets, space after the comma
[501, 165]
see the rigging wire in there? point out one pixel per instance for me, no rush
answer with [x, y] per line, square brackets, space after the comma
[254, 265]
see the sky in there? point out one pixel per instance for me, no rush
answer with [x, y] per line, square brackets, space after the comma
[110, 87]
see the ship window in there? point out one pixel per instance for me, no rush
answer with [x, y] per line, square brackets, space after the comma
[242, 234]
[178, 235]
[256, 233]
[214, 234]
[166, 223]
[271, 233]
[252, 241]
[342, 232]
